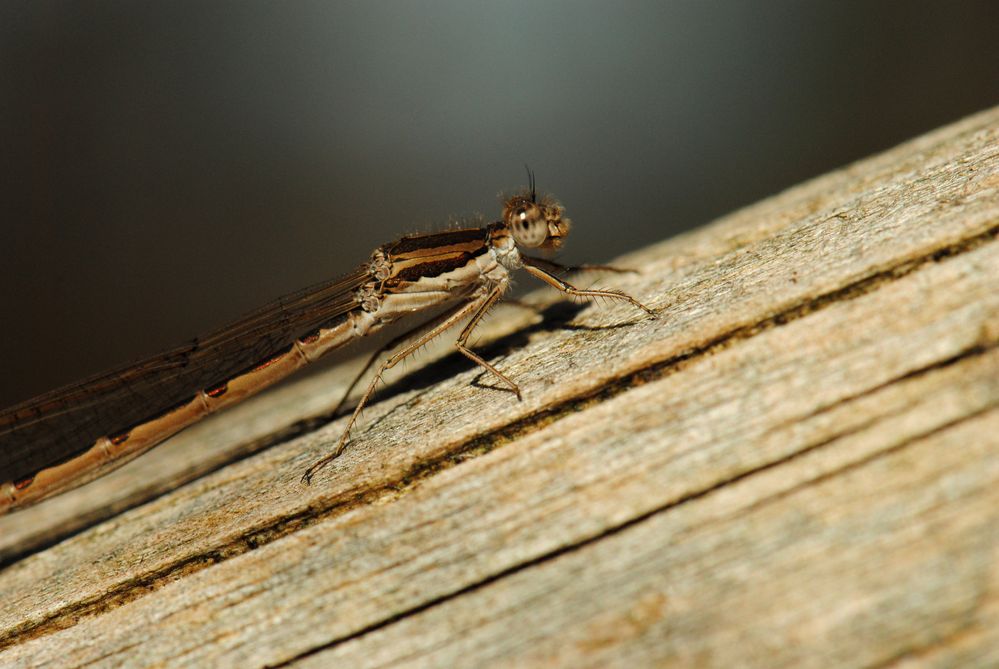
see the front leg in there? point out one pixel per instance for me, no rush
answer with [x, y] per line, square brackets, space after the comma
[553, 267]
[534, 267]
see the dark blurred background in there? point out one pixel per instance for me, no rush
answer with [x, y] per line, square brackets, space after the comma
[167, 166]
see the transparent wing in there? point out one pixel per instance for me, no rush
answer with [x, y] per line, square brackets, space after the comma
[57, 425]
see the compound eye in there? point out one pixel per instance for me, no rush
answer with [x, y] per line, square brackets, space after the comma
[529, 226]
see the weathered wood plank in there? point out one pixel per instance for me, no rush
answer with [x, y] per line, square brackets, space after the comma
[579, 479]
[857, 309]
[826, 562]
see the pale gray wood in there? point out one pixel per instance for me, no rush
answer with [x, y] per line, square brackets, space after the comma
[831, 562]
[885, 274]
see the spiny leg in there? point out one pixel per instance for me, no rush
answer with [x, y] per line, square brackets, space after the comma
[531, 265]
[437, 326]
[487, 304]
[381, 349]
[555, 267]
[552, 266]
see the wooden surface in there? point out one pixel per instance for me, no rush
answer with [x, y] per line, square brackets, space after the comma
[797, 465]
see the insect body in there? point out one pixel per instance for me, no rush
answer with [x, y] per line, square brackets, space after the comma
[72, 435]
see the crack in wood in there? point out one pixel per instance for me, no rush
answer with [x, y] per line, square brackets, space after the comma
[644, 517]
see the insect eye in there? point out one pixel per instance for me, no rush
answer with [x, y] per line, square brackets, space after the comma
[527, 223]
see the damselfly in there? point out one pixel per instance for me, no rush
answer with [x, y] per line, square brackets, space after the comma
[72, 435]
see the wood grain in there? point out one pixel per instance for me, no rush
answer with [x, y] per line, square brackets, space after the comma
[797, 464]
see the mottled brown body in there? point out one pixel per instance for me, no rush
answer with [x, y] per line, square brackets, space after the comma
[70, 436]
